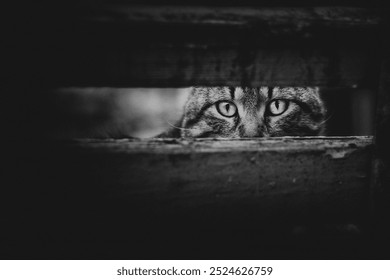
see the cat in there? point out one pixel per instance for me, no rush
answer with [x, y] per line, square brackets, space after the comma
[236, 112]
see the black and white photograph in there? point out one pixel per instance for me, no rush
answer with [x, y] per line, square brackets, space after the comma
[196, 130]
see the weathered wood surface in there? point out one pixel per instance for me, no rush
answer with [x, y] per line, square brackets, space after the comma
[293, 20]
[143, 199]
[131, 45]
[282, 179]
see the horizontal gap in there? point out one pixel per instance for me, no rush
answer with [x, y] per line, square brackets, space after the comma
[147, 112]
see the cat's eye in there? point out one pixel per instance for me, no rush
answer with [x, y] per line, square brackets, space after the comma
[277, 107]
[226, 109]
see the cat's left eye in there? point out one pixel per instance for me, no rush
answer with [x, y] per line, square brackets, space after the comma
[226, 109]
[277, 107]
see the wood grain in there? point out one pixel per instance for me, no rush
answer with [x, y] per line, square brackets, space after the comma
[125, 45]
[130, 198]
[282, 179]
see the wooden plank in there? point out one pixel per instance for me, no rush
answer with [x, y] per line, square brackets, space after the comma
[295, 20]
[132, 198]
[181, 67]
[285, 179]
[165, 46]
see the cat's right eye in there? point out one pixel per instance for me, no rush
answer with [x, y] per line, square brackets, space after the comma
[226, 108]
[277, 107]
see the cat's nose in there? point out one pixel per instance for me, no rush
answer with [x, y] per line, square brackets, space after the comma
[254, 130]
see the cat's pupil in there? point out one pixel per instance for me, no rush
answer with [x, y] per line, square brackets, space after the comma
[277, 104]
[227, 107]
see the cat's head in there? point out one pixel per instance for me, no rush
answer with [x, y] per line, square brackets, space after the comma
[253, 112]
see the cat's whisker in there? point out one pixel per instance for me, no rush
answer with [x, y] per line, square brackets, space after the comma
[327, 119]
[181, 128]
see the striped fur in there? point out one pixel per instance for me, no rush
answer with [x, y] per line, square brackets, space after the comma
[303, 116]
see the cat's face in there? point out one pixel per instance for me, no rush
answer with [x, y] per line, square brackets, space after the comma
[253, 112]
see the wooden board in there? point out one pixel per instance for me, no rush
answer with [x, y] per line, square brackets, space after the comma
[125, 45]
[283, 179]
[142, 199]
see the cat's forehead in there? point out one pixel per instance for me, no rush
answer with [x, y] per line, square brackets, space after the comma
[303, 94]
[252, 96]
[244, 95]
[214, 94]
